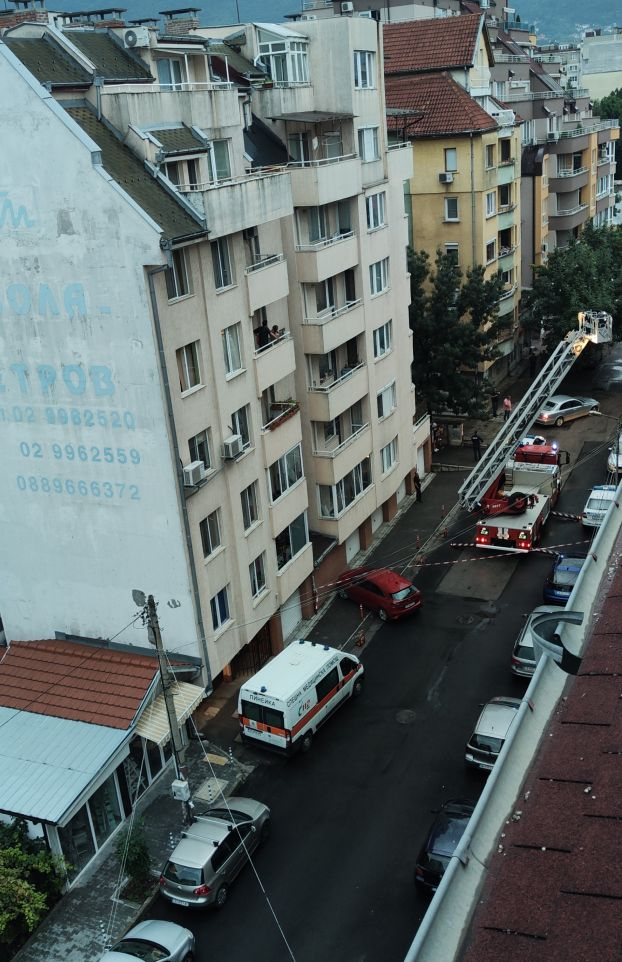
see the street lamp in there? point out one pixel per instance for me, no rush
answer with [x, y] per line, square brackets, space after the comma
[612, 417]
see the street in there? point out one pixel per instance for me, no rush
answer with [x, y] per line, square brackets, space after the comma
[349, 817]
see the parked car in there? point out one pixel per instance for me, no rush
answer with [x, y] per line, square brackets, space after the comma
[561, 408]
[614, 460]
[562, 577]
[153, 941]
[597, 505]
[381, 590]
[490, 732]
[443, 837]
[212, 851]
[523, 661]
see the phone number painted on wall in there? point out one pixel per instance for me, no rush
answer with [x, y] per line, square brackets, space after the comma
[80, 452]
[85, 418]
[111, 490]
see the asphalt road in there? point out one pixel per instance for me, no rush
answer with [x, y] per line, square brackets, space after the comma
[335, 881]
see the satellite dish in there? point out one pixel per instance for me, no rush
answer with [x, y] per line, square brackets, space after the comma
[139, 598]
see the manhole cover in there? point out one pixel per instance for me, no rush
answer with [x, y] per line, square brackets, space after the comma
[465, 619]
[405, 717]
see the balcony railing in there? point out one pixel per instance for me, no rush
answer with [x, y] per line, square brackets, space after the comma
[263, 260]
[280, 411]
[344, 444]
[567, 211]
[331, 312]
[328, 386]
[507, 163]
[282, 335]
[506, 251]
[325, 241]
[508, 292]
[506, 208]
[252, 174]
[400, 146]
[588, 128]
[569, 172]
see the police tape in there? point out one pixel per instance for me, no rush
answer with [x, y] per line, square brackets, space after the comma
[553, 551]
[566, 516]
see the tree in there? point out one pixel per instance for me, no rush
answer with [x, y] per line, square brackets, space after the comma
[133, 854]
[30, 881]
[454, 328]
[610, 108]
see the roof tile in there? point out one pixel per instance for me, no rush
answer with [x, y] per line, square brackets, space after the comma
[446, 107]
[443, 43]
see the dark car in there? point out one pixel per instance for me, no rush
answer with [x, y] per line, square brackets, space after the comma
[381, 590]
[445, 833]
[562, 577]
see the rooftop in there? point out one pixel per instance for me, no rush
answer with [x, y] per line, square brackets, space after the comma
[442, 106]
[421, 46]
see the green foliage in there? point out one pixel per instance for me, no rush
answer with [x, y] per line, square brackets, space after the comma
[454, 324]
[610, 108]
[587, 274]
[30, 881]
[132, 846]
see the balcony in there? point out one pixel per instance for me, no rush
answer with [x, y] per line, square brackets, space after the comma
[333, 464]
[568, 219]
[292, 575]
[277, 356]
[281, 433]
[506, 216]
[207, 105]
[325, 181]
[328, 400]
[506, 174]
[330, 256]
[400, 161]
[242, 202]
[326, 331]
[351, 518]
[505, 253]
[267, 281]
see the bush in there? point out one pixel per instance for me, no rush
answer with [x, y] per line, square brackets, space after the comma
[132, 846]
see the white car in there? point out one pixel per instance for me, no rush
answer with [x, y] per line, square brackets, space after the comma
[597, 505]
[488, 738]
[153, 941]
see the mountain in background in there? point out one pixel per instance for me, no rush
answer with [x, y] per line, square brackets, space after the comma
[565, 20]
[211, 13]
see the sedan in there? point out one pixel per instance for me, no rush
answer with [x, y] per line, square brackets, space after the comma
[443, 837]
[523, 661]
[562, 577]
[561, 408]
[153, 941]
[381, 590]
[488, 738]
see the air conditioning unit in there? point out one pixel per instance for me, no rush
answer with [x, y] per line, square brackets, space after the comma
[308, 16]
[484, 4]
[194, 473]
[232, 447]
[366, 13]
[347, 6]
[553, 135]
[445, 177]
[137, 37]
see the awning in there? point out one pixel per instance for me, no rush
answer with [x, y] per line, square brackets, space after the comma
[153, 723]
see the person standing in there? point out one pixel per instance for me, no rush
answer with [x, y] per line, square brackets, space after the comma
[495, 397]
[417, 485]
[262, 334]
[476, 441]
[507, 407]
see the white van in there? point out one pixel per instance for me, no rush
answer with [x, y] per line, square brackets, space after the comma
[283, 705]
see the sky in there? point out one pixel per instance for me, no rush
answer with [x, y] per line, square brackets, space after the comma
[212, 11]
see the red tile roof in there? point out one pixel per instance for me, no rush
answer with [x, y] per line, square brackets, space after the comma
[447, 108]
[69, 679]
[554, 889]
[421, 46]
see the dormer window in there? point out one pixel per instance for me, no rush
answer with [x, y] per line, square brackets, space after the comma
[171, 73]
[285, 59]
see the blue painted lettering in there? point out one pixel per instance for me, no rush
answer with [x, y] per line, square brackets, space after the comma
[16, 216]
[75, 379]
[43, 300]
[102, 380]
[75, 301]
[47, 378]
[18, 297]
[48, 304]
[21, 373]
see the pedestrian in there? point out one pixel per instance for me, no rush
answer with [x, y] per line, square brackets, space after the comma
[262, 334]
[495, 397]
[434, 432]
[417, 484]
[476, 441]
[507, 407]
[275, 333]
[532, 363]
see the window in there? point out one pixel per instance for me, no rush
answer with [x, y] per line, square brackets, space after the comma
[256, 570]
[327, 684]
[363, 69]
[248, 498]
[200, 447]
[219, 165]
[221, 259]
[239, 424]
[388, 456]
[382, 339]
[172, 172]
[451, 159]
[368, 143]
[210, 533]
[285, 60]
[292, 540]
[231, 348]
[490, 156]
[452, 251]
[334, 499]
[188, 366]
[285, 472]
[451, 208]
[375, 205]
[298, 147]
[506, 150]
[387, 400]
[325, 295]
[220, 608]
[318, 226]
[379, 276]
[171, 75]
[178, 278]
[505, 195]
[491, 251]
[491, 204]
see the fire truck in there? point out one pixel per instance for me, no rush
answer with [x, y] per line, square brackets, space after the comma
[514, 485]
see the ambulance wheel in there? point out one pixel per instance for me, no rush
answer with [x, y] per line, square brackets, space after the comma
[357, 687]
[559, 422]
[306, 742]
[382, 614]
[221, 896]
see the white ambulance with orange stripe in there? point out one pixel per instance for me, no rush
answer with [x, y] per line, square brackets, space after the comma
[283, 705]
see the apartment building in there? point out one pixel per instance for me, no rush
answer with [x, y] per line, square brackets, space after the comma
[222, 349]
[465, 190]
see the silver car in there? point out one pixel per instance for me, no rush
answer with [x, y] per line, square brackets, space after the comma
[561, 408]
[488, 738]
[614, 460]
[523, 661]
[153, 941]
[212, 851]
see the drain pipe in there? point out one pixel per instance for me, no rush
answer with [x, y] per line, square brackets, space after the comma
[207, 675]
[473, 211]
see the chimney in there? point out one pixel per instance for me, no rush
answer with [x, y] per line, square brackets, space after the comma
[180, 22]
[26, 11]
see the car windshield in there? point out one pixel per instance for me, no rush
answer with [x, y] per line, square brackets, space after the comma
[404, 593]
[550, 406]
[525, 651]
[436, 864]
[487, 743]
[597, 503]
[139, 949]
[182, 874]
[566, 575]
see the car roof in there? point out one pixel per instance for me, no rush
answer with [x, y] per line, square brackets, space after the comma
[199, 841]
[246, 806]
[570, 562]
[497, 716]
[525, 637]
[390, 580]
[448, 828]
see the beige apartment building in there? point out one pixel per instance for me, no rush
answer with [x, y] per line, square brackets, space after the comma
[256, 327]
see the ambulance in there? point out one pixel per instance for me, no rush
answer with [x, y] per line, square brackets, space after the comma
[284, 704]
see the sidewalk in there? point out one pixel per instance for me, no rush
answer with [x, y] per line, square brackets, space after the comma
[75, 931]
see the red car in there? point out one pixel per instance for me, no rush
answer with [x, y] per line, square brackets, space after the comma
[380, 590]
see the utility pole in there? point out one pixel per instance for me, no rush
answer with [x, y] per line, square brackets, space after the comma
[166, 677]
